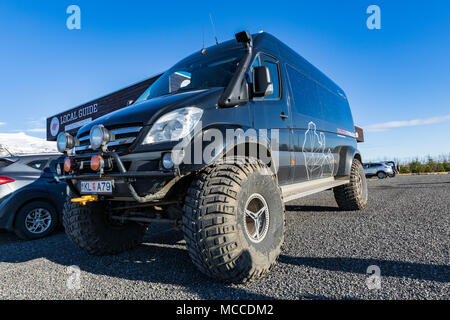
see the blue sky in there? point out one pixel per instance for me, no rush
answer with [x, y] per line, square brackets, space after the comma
[397, 78]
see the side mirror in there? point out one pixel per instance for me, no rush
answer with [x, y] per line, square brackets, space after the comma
[262, 84]
[129, 103]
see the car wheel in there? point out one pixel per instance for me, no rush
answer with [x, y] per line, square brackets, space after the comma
[234, 221]
[35, 220]
[381, 175]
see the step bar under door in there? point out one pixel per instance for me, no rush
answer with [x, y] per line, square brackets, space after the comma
[303, 189]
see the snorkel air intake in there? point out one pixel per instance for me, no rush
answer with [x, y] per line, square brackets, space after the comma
[237, 91]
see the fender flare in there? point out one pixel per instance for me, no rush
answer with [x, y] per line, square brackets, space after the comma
[346, 156]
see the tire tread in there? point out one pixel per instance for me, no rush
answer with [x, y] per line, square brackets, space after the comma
[348, 196]
[79, 226]
[210, 226]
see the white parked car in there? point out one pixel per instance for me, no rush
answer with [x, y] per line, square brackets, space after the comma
[379, 169]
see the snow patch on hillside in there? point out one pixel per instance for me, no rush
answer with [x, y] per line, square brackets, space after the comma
[21, 143]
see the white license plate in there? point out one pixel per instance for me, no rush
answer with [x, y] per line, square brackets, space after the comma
[97, 187]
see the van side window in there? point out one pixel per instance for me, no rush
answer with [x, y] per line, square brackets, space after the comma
[274, 69]
[305, 94]
[334, 107]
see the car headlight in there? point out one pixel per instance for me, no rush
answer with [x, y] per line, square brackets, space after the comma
[174, 125]
[99, 136]
[65, 142]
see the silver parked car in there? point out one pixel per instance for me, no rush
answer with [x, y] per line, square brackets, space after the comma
[31, 195]
[379, 169]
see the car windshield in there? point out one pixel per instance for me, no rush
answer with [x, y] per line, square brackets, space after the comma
[195, 74]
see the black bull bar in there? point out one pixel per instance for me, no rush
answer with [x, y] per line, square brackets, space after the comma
[127, 176]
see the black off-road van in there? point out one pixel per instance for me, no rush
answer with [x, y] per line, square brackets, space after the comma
[216, 145]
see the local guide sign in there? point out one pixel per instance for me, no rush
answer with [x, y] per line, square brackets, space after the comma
[72, 120]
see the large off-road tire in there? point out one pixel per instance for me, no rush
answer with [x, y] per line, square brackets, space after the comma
[89, 228]
[354, 195]
[218, 229]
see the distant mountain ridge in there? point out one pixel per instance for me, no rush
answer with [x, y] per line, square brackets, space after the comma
[21, 143]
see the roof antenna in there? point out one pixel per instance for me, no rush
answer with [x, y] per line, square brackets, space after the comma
[6, 149]
[203, 36]
[214, 29]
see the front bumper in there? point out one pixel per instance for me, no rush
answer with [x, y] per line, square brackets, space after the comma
[140, 185]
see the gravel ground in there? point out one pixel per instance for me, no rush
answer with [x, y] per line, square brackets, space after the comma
[404, 231]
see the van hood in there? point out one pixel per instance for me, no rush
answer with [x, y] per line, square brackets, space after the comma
[143, 113]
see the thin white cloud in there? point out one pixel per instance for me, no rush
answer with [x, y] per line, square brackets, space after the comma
[37, 130]
[2, 124]
[385, 126]
[33, 122]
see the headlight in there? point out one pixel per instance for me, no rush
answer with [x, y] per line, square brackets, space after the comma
[174, 125]
[65, 142]
[99, 137]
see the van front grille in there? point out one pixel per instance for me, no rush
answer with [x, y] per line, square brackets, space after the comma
[124, 137]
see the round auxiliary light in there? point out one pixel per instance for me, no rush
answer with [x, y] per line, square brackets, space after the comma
[65, 142]
[96, 162]
[58, 169]
[99, 137]
[167, 161]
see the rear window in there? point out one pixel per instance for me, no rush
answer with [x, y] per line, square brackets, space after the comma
[37, 164]
[4, 163]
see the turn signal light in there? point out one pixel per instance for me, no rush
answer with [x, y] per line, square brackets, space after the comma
[67, 165]
[96, 162]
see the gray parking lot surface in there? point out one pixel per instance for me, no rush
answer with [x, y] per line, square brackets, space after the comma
[405, 232]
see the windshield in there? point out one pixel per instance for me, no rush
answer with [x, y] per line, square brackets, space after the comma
[195, 74]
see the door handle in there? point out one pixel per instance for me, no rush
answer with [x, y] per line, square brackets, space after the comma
[283, 116]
